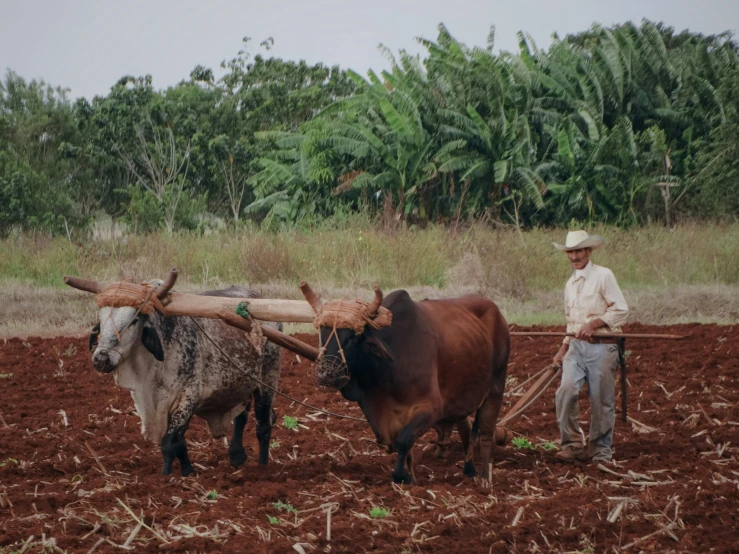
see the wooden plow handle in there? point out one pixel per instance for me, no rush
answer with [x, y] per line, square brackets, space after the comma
[596, 335]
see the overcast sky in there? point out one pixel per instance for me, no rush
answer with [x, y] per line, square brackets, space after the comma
[87, 45]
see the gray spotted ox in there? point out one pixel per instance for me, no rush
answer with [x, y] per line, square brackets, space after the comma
[174, 371]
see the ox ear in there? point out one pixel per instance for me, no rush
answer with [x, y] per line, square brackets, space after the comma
[375, 347]
[94, 336]
[151, 341]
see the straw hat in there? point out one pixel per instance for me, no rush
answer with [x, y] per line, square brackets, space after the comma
[579, 239]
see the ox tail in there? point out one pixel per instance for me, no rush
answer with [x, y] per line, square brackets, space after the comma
[475, 427]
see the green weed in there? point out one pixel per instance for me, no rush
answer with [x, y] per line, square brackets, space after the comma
[377, 512]
[290, 423]
[522, 442]
[281, 506]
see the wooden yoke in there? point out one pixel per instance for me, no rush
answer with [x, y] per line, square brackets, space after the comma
[195, 305]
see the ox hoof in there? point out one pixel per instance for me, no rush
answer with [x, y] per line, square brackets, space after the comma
[469, 469]
[187, 470]
[237, 457]
[403, 479]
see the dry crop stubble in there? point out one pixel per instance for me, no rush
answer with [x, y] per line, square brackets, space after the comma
[674, 486]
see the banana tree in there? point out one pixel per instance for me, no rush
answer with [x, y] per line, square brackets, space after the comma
[296, 181]
[388, 132]
[498, 161]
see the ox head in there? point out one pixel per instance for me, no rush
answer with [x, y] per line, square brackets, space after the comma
[347, 338]
[122, 332]
[118, 335]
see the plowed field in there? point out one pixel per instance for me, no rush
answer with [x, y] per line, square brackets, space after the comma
[674, 487]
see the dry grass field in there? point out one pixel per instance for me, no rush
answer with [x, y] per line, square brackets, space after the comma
[689, 274]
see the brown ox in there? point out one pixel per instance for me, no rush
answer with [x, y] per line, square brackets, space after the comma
[434, 364]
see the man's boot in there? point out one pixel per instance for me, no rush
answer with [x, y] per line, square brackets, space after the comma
[569, 455]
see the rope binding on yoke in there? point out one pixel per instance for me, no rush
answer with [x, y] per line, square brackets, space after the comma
[142, 296]
[145, 297]
[352, 314]
[348, 314]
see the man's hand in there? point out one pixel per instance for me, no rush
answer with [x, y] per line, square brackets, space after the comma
[560, 355]
[587, 330]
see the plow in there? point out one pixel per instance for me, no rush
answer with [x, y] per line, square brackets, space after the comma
[246, 315]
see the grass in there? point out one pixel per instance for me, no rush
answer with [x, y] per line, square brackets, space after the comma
[493, 260]
[688, 274]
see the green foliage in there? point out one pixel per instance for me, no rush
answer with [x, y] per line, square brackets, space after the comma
[378, 512]
[547, 445]
[581, 131]
[273, 520]
[289, 422]
[212, 495]
[145, 213]
[522, 442]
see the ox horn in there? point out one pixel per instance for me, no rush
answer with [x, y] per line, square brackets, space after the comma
[162, 290]
[310, 296]
[84, 284]
[375, 304]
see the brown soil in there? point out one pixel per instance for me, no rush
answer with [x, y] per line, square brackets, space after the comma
[684, 474]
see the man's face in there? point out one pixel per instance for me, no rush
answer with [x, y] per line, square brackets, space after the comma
[579, 258]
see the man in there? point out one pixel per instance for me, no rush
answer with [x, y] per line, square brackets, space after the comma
[593, 304]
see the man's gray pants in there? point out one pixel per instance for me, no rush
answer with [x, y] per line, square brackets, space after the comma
[595, 364]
